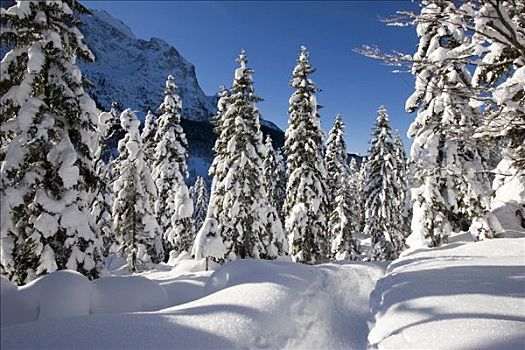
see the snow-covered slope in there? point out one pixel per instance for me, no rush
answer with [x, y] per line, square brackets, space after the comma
[459, 296]
[463, 295]
[132, 71]
[244, 304]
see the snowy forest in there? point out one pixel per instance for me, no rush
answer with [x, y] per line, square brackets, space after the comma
[105, 242]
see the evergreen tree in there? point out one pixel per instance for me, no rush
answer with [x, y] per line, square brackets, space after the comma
[499, 40]
[355, 184]
[274, 173]
[305, 207]
[335, 159]
[246, 222]
[199, 195]
[453, 188]
[135, 225]
[358, 178]
[217, 171]
[104, 197]
[402, 186]
[173, 206]
[48, 138]
[381, 205]
[148, 136]
[342, 223]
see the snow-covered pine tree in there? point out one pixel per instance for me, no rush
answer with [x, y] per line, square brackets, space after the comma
[489, 36]
[217, 171]
[148, 137]
[335, 160]
[453, 189]
[104, 196]
[499, 38]
[248, 225]
[358, 181]
[305, 207]
[381, 206]
[173, 207]
[401, 183]
[48, 138]
[341, 223]
[199, 195]
[135, 225]
[274, 172]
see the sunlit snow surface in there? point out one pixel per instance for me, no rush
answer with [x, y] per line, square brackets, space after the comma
[461, 296]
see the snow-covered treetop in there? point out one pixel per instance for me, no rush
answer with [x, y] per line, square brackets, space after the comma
[172, 101]
[382, 116]
[242, 59]
[301, 72]
[336, 156]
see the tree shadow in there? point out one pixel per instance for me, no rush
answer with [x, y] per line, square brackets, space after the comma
[118, 331]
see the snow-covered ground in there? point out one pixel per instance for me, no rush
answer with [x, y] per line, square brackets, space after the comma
[463, 295]
[245, 304]
[459, 296]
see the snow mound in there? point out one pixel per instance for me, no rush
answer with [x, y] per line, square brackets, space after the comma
[118, 294]
[458, 296]
[63, 294]
[247, 304]
[13, 307]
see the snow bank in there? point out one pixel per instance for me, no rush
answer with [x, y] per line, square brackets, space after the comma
[62, 294]
[118, 294]
[247, 304]
[458, 296]
[58, 295]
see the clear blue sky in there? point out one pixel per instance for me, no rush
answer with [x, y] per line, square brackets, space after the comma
[210, 34]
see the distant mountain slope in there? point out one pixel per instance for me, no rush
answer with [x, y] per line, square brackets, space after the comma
[133, 71]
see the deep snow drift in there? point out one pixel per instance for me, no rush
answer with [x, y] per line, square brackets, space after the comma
[244, 304]
[459, 296]
[463, 295]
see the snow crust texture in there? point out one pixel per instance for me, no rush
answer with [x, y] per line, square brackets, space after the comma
[458, 296]
[244, 304]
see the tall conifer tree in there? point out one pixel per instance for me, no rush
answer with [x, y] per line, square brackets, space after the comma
[246, 222]
[48, 139]
[381, 207]
[305, 208]
[173, 207]
[134, 221]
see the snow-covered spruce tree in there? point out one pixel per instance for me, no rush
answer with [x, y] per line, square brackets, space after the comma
[102, 204]
[248, 225]
[499, 38]
[134, 222]
[453, 189]
[402, 194]
[221, 122]
[335, 159]
[148, 137]
[173, 207]
[305, 207]
[381, 205]
[499, 28]
[199, 195]
[48, 138]
[274, 172]
[358, 182]
[341, 223]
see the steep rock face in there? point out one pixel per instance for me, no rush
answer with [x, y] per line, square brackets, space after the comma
[132, 71]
